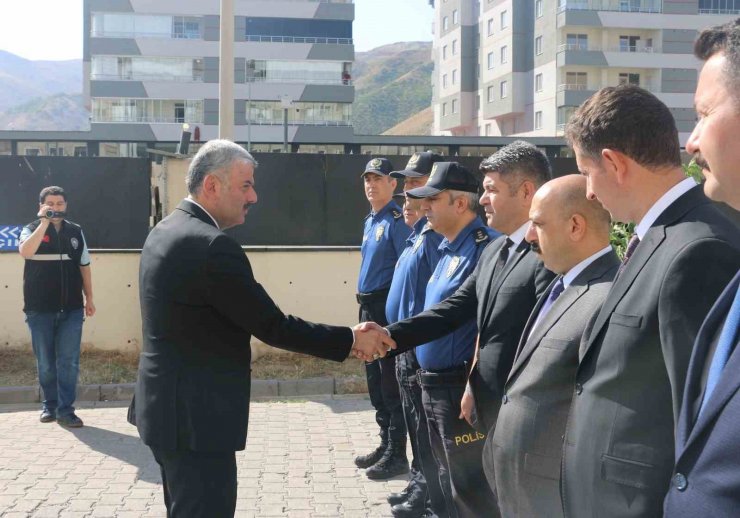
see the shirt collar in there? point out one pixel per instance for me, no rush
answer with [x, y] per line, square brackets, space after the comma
[460, 238]
[662, 204]
[574, 272]
[390, 205]
[518, 235]
[191, 200]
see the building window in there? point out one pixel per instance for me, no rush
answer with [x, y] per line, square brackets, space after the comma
[490, 26]
[538, 45]
[454, 47]
[454, 106]
[538, 8]
[147, 110]
[628, 43]
[504, 19]
[300, 113]
[504, 89]
[445, 23]
[629, 79]
[454, 77]
[538, 83]
[140, 68]
[538, 120]
[444, 80]
[504, 54]
[490, 60]
[455, 17]
[576, 80]
[120, 25]
[488, 130]
[490, 94]
[577, 42]
[298, 30]
[308, 71]
[444, 109]
[444, 52]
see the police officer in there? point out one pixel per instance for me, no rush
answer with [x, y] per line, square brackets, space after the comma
[383, 241]
[450, 202]
[56, 273]
[406, 299]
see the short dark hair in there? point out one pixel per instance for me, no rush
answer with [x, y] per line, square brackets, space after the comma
[627, 119]
[52, 190]
[725, 39]
[521, 161]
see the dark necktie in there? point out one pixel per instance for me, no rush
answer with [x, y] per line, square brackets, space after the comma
[727, 339]
[631, 246]
[557, 289]
[503, 256]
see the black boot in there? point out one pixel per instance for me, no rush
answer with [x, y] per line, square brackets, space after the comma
[414, 506]
[392, 463]
[397, 498]
[365, 461]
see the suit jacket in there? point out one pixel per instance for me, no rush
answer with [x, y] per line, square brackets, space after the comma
[707, 453]
[619, 446]
[200, 306]
[528, 440]
[502, 302]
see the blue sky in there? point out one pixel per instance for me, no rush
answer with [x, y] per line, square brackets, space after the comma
[52, 29]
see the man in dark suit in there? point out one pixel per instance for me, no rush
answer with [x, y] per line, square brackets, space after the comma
[200, 305]
[707, 472]
[571, 234]
[619, 442]
[501, 291]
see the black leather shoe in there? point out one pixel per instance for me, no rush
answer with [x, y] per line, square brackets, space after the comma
[70, 421]
[365, 461]
[397, 498]
[414, 507]
[392, 463]
[47, 416]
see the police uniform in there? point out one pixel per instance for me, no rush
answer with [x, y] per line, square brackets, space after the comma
[53, 304]
[383, 241]
[457, 447]
[406, 299]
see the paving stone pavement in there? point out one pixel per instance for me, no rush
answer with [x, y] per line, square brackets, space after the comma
[298, 463]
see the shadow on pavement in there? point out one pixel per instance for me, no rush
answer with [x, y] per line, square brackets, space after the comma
[123, 447]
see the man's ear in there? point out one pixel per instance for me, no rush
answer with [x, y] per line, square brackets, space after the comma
[615, 162]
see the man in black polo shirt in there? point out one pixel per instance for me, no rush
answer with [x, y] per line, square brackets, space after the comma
[57, 272]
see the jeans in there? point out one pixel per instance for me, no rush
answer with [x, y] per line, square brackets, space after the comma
[56, 343]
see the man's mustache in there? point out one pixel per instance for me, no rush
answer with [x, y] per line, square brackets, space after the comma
[701, 162]
[535, 246]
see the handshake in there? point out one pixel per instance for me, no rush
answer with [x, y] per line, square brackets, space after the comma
[371, 341]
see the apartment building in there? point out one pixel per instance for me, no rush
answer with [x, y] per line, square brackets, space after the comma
[152, 66]
[521, 67]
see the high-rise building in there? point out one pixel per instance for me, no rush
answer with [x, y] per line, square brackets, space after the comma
[151, 66]
[520, 67]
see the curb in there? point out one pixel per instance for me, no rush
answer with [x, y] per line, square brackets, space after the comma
[262, 389]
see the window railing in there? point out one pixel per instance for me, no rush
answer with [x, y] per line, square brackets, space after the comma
[609, 5]
[299, 39]
[195, 78]
[719, 11]
[633, 48]
[263, 122]
[621, 48]
[572, 86]
[574, 46]
[299, 80]
[137, 34]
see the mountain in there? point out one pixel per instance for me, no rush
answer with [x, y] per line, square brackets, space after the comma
[392, 83]
[22, 80]
[59, 112]
[418, 124]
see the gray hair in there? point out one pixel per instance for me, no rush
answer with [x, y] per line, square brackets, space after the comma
[472, 198]
[215, 157]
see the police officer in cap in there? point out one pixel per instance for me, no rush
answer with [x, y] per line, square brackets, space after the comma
[450, 202]
[383, 241]
[406, 299]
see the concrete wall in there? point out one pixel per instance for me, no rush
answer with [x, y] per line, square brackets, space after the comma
[316, 285]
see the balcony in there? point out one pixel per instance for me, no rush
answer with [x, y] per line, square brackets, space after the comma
[624, 6]
[298, 39]
[719, 11]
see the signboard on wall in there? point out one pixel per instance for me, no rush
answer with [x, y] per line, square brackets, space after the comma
[9, 235]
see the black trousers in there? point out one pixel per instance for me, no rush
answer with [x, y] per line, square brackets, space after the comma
[198, 484]
[456, 445]
[381, 379]
[423, 467]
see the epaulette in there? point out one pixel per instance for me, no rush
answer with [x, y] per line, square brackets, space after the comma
[480, 236]
[426, 228]
[397, 214]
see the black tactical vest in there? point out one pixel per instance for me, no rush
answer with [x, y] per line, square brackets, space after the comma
[51, 279]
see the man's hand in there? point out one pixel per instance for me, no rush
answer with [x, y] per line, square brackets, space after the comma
[89, 307]
[42, 212]
[371, 342]
[467, 405]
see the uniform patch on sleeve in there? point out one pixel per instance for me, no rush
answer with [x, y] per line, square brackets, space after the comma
[481, 236]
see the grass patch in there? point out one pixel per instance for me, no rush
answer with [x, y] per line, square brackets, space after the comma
[18, 367]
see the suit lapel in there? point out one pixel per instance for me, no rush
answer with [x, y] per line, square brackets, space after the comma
[491, 269]
[728, 384]
[499, 277]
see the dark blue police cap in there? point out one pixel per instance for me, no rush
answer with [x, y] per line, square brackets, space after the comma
[381, 166]
[445, 176]
[420, 164]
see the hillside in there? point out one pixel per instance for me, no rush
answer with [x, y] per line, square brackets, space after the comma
[418, 124]
[22, 80]
[60, 112]
[392, 83]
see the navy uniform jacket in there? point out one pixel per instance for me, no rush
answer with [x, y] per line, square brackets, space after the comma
[413, 269]
[383, 241]
[459, 258]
